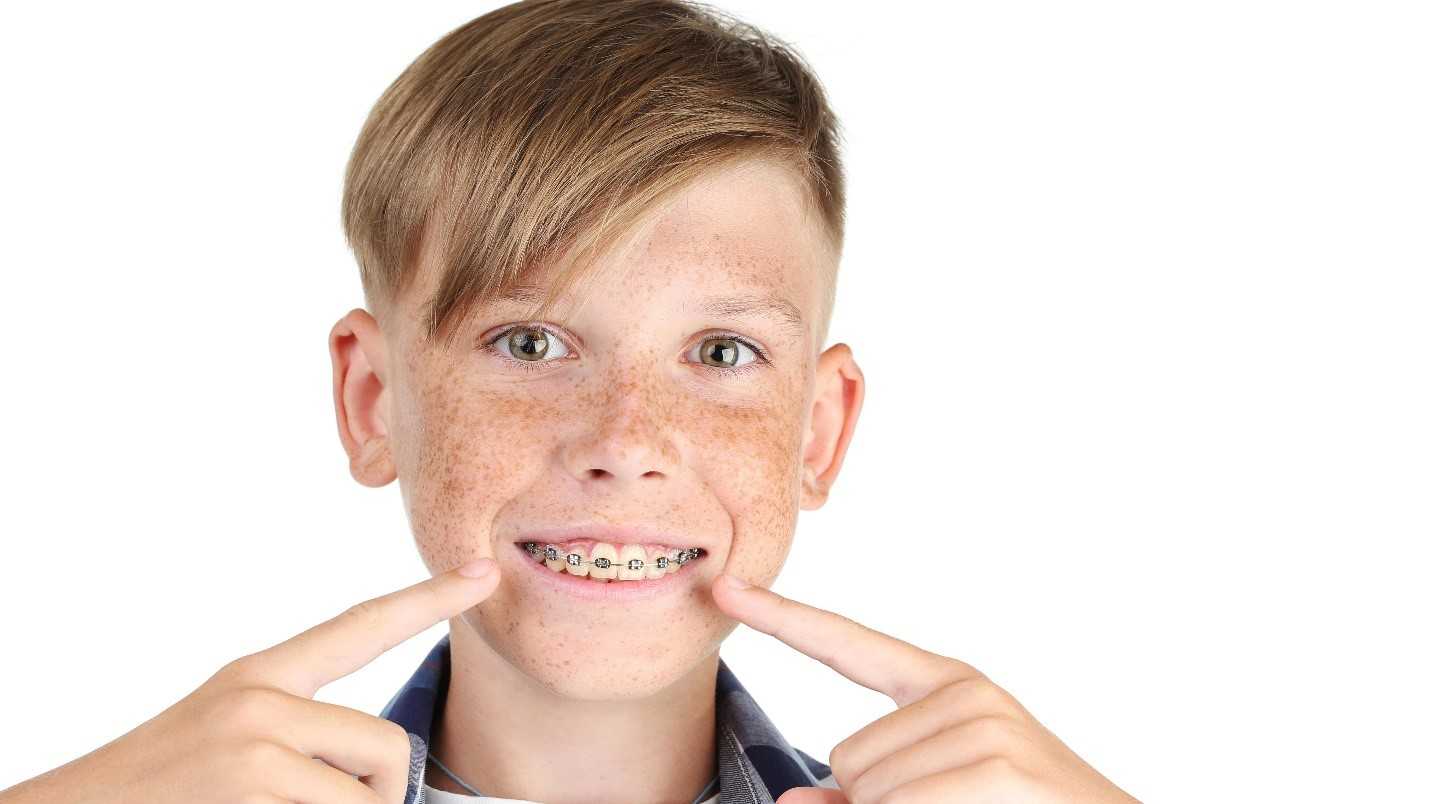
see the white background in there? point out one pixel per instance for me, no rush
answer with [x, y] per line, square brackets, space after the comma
[1139, 290]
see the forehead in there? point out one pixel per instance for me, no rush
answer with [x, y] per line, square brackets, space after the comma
[753, 210]
[742, 229]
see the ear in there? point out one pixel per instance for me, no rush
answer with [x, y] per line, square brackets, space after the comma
[360, 396]
[838, 396]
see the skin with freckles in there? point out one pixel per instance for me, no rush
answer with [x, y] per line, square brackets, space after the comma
[624, 419]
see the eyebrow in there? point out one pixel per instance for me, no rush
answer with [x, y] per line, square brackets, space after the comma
[778, 308]
[769, 305]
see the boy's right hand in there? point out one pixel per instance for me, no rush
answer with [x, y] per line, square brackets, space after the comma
[252, 733]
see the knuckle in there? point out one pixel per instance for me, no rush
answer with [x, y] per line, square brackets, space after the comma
[987, 732]
[981, 694]
[1000, 772]
[234, 670]
[248, 670]
[956, 693]
[247, 708]
[256, 759]
[1003, 701]
[957, 668]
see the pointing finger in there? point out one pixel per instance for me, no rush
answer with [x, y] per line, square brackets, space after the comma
[305, 663]
[870, 658]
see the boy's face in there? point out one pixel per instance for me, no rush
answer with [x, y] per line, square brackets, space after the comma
[622, 422]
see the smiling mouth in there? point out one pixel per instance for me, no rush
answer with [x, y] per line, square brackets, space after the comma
[601, 562]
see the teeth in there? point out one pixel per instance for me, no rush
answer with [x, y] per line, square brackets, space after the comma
[554, 560]
[630, 563]
[654, 567]
[608, 552]
[582, 568]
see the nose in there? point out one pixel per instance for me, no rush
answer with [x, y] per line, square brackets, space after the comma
[625, 441]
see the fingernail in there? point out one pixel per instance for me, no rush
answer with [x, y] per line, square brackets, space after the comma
[736, 581]
[477, 569]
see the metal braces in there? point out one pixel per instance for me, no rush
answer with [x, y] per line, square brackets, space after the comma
[551, 553]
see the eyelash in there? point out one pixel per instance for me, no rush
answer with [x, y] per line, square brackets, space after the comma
[536, 365]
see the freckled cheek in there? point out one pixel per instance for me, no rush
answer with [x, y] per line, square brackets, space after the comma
[752, 463]
[468, 454]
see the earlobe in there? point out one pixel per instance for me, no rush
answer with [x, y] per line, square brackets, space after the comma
[838, 397]
[373, 465]
[359, 356]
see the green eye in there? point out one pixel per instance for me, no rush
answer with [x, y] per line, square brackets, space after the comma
[529, 344]
[722, 353]
[725, 352]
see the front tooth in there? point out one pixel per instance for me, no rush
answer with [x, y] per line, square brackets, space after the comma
[629, 552]
[604, 550]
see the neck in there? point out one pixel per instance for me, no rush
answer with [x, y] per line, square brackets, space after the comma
[510, 737]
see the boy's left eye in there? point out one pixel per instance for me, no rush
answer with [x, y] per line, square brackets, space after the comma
[529, 345]
[724, 351]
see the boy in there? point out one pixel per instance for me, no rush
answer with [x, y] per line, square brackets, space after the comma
[599, 241]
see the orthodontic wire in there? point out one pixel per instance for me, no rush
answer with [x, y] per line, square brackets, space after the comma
[574, 559]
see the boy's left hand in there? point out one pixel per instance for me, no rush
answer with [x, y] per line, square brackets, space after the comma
[956, 736]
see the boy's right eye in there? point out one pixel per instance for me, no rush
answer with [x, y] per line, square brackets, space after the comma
[528, 345]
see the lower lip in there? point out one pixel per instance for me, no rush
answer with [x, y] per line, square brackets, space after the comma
[612, 591]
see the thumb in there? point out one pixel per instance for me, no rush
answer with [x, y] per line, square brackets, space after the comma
[812, 795]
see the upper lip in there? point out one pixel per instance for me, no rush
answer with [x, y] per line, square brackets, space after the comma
[614, 534]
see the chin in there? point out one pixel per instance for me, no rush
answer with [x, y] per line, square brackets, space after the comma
[625, 663]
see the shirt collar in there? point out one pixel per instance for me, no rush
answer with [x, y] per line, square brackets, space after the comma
[755, 762]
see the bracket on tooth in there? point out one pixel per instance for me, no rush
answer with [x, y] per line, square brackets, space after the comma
[550, 553]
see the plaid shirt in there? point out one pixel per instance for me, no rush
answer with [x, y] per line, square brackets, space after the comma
[756, 764]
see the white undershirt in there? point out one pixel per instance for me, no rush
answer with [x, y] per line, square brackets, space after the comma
[435, 796]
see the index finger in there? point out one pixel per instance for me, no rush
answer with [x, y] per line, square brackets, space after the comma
[303, 664]
[904, 672]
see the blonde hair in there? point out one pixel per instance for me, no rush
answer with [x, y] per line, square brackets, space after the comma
[541, 132]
